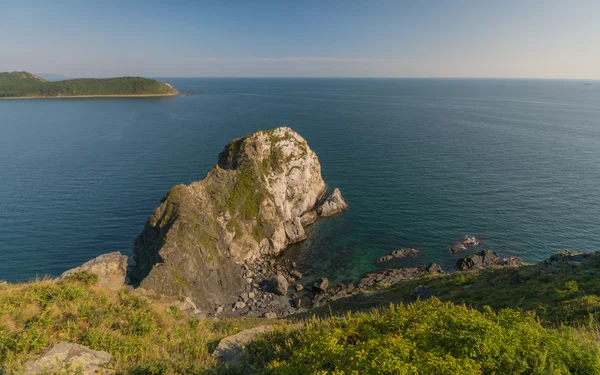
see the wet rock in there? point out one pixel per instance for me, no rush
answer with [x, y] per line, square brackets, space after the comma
[404, 253]
[279, 285]
[385, 258]
[511, 262]
[295, 274]
[334, 204]
[86, 360]
[111, 269]
[483, 259]
[320, 285]
[434, 268]
[420, 292]
[467, 241]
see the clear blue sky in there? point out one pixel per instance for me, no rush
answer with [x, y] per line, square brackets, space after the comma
[415, 38]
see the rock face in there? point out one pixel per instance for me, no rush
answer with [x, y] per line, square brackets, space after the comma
[251, 205]
[483, 259]
[79, 357]
[231, 349]
[111, 269]
[334, 204]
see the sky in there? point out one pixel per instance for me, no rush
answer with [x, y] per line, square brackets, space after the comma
[330, 38]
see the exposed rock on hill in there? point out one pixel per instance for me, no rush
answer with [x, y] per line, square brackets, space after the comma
[483, 259]
[111, 269]
[86, 361]
[251, 205]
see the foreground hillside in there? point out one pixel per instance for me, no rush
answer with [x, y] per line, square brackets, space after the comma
[500, 334]
[24, 84]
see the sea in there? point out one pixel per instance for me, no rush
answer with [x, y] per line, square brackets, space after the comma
[421, 163]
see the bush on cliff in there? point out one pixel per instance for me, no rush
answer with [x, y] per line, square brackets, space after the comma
[430, 337]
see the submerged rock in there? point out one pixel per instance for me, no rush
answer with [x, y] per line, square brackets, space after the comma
[398, 254]
[82, 359]
[334, 204]
[249, 207]
[484, 259]
[111, 269]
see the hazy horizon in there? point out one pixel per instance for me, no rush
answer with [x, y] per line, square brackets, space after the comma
[283, 39]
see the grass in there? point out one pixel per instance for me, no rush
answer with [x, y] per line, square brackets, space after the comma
[536, 319]
[430, 337]
[143, 336]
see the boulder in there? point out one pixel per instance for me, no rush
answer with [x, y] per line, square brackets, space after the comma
[483, 259]
[511, 262]
[279, 285]
[295, 274]
[111, 269]
[320, 285]
[466, 242]
[298, 287]
[420, 292]
[385, 258]
[434, 268]
[270, 315]
[334, 204]
[82, 359]
[188, 307]
[249, 207]
[230, 349]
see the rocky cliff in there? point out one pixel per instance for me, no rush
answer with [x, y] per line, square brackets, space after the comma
[265, 188]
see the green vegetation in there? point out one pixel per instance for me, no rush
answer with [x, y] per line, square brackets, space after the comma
[537, 319]
[428, 337]
[558, 294]
[24, 84]
[143, 335]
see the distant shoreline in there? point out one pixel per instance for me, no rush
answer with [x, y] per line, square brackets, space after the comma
[88, 96]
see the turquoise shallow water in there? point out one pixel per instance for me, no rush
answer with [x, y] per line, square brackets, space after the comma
[421, 162]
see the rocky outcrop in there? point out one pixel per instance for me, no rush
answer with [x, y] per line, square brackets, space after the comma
[483, 259]
[230, 349]
[399, 254]
[377, 279]
[111, 269]
[334, 204]
[467, 241]
[251, 205]
[81, 359]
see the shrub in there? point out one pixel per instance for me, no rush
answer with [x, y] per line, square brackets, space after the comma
[429, 337]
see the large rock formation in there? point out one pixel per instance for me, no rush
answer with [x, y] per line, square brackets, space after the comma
[111, 269]
[252, 204]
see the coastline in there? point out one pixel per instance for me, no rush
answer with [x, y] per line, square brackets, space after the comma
[88, 96]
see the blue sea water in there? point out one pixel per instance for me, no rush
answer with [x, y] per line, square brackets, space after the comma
[421, 162]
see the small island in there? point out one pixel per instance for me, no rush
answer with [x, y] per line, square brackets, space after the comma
[25, 85]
